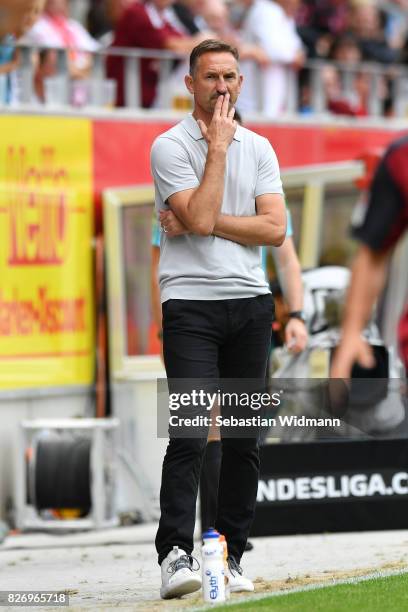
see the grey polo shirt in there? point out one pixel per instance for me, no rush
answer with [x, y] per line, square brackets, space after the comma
[208, 267]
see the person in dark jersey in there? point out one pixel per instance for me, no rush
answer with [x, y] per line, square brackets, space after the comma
[384, 223]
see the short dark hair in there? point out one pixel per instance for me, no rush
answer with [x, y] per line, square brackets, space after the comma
[210, 46]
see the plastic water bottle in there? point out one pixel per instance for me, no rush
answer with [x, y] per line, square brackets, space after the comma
[223, 543]
[213, 568]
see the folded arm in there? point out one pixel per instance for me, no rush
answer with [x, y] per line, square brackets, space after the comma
[267, 227]
[199, 208]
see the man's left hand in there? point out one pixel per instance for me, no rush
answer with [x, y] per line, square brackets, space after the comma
[171, 225]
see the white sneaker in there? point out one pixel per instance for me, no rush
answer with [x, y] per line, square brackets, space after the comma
[237, 582]
[179, 576]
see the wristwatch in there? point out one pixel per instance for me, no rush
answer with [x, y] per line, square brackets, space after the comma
[298, 314]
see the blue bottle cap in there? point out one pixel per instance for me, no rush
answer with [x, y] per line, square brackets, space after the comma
[211, 534]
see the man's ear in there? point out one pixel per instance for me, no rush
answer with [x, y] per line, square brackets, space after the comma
[241, 78]
[188, 80]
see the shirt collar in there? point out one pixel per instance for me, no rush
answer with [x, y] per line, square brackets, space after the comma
[191, 126]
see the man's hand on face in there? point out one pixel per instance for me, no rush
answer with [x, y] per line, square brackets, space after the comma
[220, 133]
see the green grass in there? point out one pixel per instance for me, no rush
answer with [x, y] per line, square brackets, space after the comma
[388, 594]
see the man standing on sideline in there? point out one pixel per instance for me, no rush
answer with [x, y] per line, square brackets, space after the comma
[222, 183]
[384, 223]
[289, 273]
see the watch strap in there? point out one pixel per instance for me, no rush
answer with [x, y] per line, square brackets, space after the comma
[297, 314]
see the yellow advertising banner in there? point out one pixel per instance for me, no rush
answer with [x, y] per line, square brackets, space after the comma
[46, 273]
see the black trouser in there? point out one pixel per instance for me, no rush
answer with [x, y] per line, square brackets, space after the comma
[209, 478]
[212, 339]
[210, 471]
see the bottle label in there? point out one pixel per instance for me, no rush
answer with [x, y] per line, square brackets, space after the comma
[216, 587]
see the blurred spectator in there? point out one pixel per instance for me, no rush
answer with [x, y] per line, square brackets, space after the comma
[346, 86]
[188, 15]
[270, 25]
[211, 16]
[115, 9]
[103, 17]
[217, 19]
[16, 17]
[46, 68]
[56, 29]
[8, 65]
[320, 22]
[147, 25]
[340, 100]
[97, 22]
[396, 21]
[345, 49]
[215, 15]
[366, 24]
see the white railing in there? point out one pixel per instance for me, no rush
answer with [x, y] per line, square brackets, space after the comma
[97, 90]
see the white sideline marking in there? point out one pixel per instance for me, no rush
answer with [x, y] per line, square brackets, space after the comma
[308, 587]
